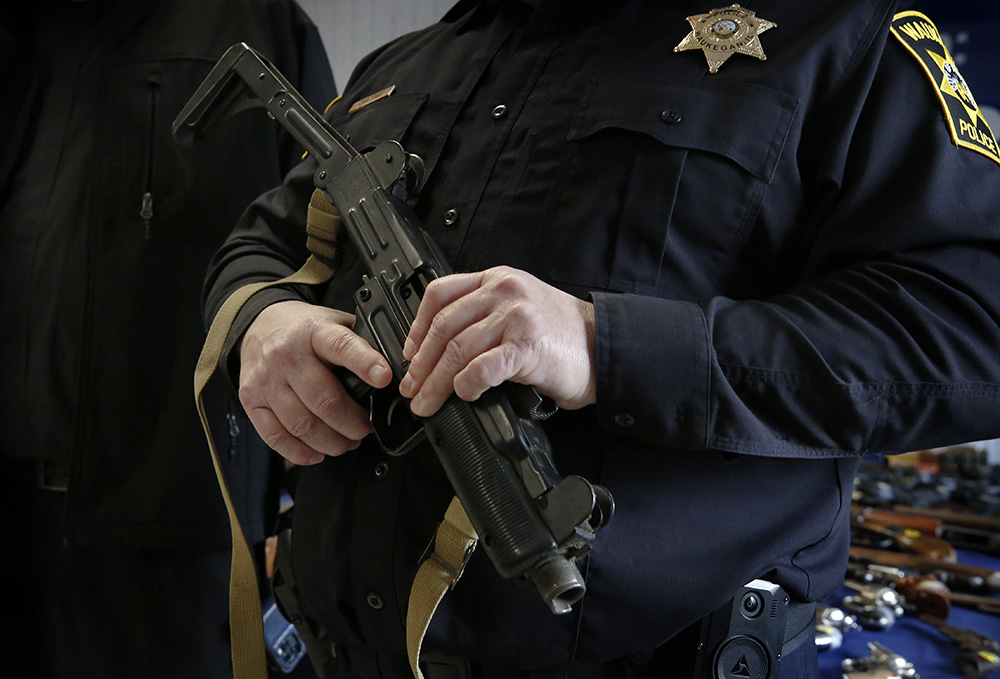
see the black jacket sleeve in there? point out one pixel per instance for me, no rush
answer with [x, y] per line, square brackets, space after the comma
[886, 342]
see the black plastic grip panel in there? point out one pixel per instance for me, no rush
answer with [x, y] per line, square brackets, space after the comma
[510, 527]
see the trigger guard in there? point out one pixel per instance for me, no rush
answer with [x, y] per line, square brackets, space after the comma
[396, 428]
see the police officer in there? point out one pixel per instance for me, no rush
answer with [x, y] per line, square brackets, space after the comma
[739, 247]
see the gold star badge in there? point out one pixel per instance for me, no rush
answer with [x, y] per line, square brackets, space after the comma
[724, 32]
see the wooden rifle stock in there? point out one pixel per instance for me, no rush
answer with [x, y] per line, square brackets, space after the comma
[906, 539]
[923, 564]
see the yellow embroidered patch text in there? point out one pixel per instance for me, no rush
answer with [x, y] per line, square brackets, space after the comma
[968, 127]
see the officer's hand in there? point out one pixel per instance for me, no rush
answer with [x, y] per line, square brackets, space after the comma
[474, 331]
[297, 405]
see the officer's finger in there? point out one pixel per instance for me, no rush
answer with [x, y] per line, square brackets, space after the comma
[504, 362]
[326, 398]
[460, 351]
[279, 440]
[300, 423]
[441, 340]
[439, 294]
[339, 345]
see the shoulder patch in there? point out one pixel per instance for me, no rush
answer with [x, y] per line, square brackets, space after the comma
[968, 127]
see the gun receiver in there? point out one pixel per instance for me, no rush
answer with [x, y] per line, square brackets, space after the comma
[533, 523]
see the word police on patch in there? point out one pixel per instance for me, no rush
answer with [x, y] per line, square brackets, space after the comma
[969, 128]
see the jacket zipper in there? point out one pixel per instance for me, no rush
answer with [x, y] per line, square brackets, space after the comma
[146, 212]
[234, 434]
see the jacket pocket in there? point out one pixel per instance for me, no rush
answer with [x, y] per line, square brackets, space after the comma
[158, 191]
[656, 176]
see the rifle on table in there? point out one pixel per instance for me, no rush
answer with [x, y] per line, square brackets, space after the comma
[963, 529]
[533, 523]
[864, 514]
[956, 575]
[868, 529]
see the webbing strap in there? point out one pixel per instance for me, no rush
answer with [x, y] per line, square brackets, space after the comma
[453, 545]
[246, 621]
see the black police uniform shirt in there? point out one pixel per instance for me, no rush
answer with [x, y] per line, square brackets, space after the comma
[792, 265]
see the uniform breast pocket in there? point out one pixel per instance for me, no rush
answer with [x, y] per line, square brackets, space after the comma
[657, 178]
[386, 119]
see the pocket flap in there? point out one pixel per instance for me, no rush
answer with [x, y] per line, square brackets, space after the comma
[383, 120]
[746, 123]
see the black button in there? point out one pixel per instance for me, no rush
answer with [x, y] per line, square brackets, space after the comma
[550, 27]
[381, 470]
[624, 420]
[671, 116]
[375, 600]
[450, 217]
[500, 111]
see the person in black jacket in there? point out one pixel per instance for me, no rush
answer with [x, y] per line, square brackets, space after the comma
[106, 227]
[741, 247]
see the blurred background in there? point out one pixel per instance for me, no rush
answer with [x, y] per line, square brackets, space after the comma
[352, 28]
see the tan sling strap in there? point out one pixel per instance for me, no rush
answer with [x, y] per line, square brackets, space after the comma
[453, 545]
[246, 624]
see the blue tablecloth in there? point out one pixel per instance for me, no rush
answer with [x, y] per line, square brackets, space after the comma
[932, 653]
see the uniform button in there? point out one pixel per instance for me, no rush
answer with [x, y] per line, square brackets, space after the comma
[671, 116]
[450, 217]
[624, 420]
[500, 111]
[550, 27]
[381, 470]
[375, 600]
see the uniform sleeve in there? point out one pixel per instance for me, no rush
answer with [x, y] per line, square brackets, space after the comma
[268, 244]
[888, 340]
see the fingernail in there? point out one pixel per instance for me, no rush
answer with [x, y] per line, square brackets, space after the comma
[409, 348]
[317, 458]
[378, 374]
[416, 405]
[406, 385]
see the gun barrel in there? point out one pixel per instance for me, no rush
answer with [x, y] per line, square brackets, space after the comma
[989, 578]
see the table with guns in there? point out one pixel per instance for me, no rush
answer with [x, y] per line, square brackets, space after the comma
[921, 596]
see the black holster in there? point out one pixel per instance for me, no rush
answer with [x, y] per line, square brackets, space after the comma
[319, 647]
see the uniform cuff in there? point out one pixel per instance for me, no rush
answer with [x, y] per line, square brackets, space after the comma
[652, 369]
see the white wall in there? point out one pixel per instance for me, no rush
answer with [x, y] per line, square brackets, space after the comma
[352, 28]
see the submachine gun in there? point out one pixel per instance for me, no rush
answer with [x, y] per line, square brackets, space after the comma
[533, 523]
